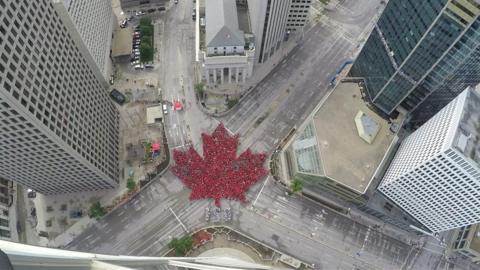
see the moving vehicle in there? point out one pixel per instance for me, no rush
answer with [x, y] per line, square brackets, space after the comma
[117, 96]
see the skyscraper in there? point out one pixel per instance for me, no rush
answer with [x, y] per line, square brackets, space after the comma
[270, 20]
[435, 175]
[59, 128]
[420, 55]
[94, 21]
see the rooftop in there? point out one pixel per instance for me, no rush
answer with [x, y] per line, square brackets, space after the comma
[154, 113]
[467, 135]
[221, 21]
[345, 157]
[122, 41]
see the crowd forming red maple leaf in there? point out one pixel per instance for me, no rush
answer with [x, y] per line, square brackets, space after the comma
[220, 174]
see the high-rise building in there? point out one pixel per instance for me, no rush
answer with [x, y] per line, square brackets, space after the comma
[466, 241]
[420, 55]
[94, 21]
[59, 128]
[435, 175]
[298, 14]
[270, 20]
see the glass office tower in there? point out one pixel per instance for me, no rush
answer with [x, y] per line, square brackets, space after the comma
[420, 55]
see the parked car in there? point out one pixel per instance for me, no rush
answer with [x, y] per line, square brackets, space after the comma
[194, 16]
[175, 1]
[117, 96]
[136, 62]
[161, 9]
[149, 66]
[138, 67]
[165, 109]
[139, 13]
[202, 22]
[151, 10]
[123, 24]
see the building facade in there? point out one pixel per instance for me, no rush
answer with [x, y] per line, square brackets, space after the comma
[435, 175]
[59, 128]
[6, 201]
[270, 21]
[298, 15]
[229, 52]
[94, 21]
[420, 55]
[466, 241]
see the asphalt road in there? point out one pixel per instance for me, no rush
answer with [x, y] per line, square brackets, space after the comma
[292, 225]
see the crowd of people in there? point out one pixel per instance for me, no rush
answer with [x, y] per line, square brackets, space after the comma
[220, 174]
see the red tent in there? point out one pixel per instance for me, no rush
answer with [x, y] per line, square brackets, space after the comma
[155, 147]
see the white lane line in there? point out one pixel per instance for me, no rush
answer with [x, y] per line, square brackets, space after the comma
[258, 196]
[179, 221]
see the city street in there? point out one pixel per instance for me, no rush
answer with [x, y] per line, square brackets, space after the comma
[177, 52]
[292, 225]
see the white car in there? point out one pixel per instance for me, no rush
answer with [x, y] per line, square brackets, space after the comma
[136, 62]
[138, 67]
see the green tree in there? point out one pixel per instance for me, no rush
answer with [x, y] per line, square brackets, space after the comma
[145, 21]
[131, 185]
[231, 103]
[146, 40]
[146, 30]
[146, 52]
[296, 185]
[199, 88]
[181, 245]
[97, 210]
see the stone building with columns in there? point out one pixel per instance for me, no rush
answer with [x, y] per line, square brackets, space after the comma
[228, 52]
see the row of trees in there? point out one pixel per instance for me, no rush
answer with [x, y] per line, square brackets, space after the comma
[146, 42]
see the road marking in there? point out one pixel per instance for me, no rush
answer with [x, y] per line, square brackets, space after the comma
[264, 183]
[179, 221]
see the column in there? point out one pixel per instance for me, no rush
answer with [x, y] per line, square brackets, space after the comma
[236, 74]
[214, 76]
[229, 75]
[207, 75]
[221, 75]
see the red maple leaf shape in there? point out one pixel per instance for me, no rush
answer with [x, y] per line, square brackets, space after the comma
[220, 174]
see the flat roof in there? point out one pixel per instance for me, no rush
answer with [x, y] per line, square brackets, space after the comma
[345, 157]
[122, 41]
[154, 112]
